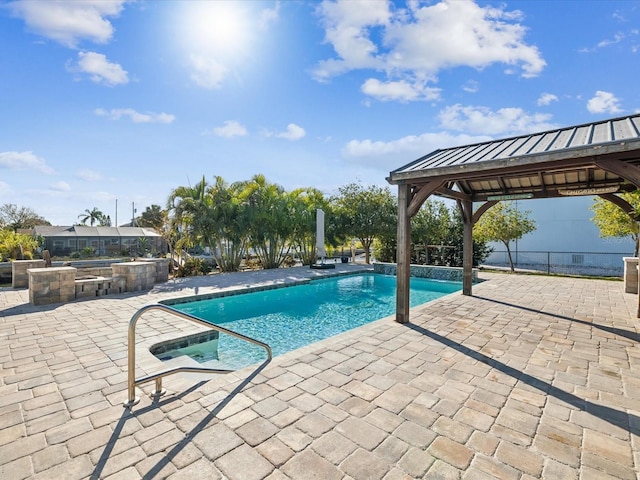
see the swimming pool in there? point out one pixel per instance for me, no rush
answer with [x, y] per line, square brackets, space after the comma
[292, 317]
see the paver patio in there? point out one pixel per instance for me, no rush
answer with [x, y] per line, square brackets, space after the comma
[532, 377]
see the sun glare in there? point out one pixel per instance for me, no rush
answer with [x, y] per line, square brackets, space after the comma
[217, 27]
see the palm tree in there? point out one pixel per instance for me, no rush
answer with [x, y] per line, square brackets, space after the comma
[230, 221]
[92, 216]
[270, 228]
[190, 212]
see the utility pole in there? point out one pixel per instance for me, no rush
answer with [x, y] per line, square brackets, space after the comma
[133, 214]
[116, 225]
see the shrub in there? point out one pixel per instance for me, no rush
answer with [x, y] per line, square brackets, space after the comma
[194, 267]
[16, 246]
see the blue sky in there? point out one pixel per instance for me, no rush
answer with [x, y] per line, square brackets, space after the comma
[126, 100]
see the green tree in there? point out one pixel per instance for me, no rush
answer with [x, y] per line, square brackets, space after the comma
[453, 256]
[211, 216]
[434, 224]
[153, 217]
[93, 216]
[365, 213]
[612, 221]
[190, 210]
[430, 227]
[143, 245]
[15, 217]
[503, 223]
[16, 246]
[230, 220]
[270, 227]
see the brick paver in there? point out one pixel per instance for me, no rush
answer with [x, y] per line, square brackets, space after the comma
[532, 377]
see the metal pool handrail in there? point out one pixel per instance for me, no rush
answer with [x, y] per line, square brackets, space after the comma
[131, 353]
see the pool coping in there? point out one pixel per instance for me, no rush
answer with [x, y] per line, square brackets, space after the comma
[257, 288]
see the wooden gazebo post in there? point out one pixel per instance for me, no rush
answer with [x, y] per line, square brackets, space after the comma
[403, 259]
[466, 206]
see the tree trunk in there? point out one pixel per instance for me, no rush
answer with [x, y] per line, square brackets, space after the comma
[506, 244]
[367, 251]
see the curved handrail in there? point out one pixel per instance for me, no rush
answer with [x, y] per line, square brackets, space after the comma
[131, 352]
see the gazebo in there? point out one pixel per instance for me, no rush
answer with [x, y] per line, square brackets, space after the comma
[600, 158]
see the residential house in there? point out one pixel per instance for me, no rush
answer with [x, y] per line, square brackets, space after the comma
[105, 241]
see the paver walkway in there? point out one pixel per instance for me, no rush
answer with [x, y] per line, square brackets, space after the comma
[533, 377]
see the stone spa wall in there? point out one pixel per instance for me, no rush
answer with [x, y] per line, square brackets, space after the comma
[63, 284]
[453, 274]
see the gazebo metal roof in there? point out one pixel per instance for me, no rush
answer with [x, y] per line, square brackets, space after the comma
[585, 159]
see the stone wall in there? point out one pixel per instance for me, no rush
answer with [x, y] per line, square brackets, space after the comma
[630, 274]
[63, 284]
[94, 272]
[97, 287]
[453, 274]
[51, 285]
[19, 271]
[138, 275]
[7, 269]
[162, 268]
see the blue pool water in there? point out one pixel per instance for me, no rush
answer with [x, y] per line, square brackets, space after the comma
[292, 317]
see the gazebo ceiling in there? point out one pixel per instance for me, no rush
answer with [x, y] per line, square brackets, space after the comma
[596, 158]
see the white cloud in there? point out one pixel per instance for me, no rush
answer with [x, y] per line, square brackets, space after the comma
[413, 44]
[89, 175]
[471, 86]
[624, 39]
[207, 72]
[269, 16]
[293, 132]
[24, 161]
[619, 16]
[230, 129]
[69, 22]
[546, 99]
[604, 102]
[389, 154]
[100, 70]
[617, 38]
[399, 90]
[136, 117]
[347, 29]
[484, 121]
[60, 186]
